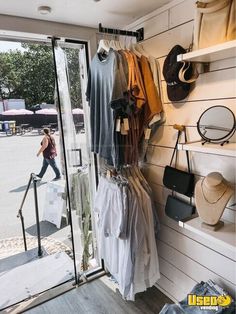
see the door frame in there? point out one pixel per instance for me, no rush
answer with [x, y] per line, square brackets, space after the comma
[99, 271]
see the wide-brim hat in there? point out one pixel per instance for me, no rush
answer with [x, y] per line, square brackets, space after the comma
[211, 197]
[178, 75]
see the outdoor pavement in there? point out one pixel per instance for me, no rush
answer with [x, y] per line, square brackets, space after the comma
[17, 160]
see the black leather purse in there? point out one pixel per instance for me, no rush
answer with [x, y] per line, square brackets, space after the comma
[181, 182]
[178, 209]
[178, 180]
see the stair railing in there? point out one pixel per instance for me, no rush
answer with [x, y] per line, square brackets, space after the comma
[33, 178]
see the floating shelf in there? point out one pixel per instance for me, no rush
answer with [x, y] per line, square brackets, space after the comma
[224, 236]
[210, 54]
[210, 148]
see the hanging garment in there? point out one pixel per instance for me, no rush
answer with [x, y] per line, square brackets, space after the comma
[154, 105]
[80, 200]
[105, 84]
[126, 232]
[123, 101]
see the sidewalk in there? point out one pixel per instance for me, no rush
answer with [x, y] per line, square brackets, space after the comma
[17, 160]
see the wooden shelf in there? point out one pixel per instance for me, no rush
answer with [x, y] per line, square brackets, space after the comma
[210, 148]
[210, 54]
[224, 236]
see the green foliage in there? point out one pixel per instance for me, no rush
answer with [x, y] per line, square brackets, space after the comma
[37, 75]
[10, 68]
[30, 75]
[72, 56]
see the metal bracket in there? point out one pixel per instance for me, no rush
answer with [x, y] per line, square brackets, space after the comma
[140, 32]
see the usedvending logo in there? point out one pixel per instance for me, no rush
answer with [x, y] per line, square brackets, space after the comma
[209, 302]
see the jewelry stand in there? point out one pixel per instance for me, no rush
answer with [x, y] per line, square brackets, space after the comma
[215, 227]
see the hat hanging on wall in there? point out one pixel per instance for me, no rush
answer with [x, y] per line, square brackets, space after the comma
[178, 75]
[211, 197]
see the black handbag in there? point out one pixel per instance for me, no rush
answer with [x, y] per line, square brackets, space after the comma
[178, 209]
[178, 180]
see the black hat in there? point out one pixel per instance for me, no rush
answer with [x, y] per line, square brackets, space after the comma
[178, 75]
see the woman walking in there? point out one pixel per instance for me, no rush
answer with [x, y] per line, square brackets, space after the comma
[48, 148]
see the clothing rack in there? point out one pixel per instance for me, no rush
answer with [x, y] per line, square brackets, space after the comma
[139, 34]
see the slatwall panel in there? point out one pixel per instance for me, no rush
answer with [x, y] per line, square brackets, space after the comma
[165, 220]
[185, 257]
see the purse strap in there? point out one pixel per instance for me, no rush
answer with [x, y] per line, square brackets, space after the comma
[175, 151]
[187, 152]
[51, 141]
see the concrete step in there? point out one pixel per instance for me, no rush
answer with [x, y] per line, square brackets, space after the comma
[25, 281]
[19, 259]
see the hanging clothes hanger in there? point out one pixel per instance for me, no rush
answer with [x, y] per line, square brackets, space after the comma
[121, 44]
[137, 172]
[104, 46]
[113, 43]
[132, 173]
[141, 50]
[125, 43]
[129, 44]
[136, 52]
[117, 43]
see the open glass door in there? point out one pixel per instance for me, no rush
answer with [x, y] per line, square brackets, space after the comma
[70, 60]
[53, 236]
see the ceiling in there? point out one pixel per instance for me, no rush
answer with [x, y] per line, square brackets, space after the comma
[111, 13]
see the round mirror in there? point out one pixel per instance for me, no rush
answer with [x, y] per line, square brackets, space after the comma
[216, 124]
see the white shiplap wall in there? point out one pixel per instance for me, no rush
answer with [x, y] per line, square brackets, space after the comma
[185, 257]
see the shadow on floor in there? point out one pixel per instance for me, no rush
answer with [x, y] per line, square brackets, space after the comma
[23, 187]
[46, 228]
[101, 297]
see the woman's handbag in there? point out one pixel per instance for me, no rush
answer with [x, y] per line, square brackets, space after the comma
[53, 152]
[178, 180]
[178, 209]
[214, 22]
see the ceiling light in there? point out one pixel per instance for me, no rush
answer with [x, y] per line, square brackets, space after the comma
[44, 9]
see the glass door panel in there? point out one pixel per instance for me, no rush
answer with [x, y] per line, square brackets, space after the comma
[78, 164]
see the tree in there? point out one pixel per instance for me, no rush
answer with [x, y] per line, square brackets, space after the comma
[72, 56]
[30, 75]
[37, 76]
[10, 65]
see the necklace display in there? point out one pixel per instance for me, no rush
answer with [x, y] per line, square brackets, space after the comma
[214, 202]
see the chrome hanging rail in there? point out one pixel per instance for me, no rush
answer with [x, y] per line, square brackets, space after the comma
[139, 34]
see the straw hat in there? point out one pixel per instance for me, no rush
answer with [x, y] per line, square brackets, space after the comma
[211, 196]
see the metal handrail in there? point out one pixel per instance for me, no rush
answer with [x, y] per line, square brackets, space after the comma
[33, 178]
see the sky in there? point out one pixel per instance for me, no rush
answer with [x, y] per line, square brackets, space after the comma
[7, 45]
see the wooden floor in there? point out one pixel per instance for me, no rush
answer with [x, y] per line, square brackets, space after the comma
[101, 297]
